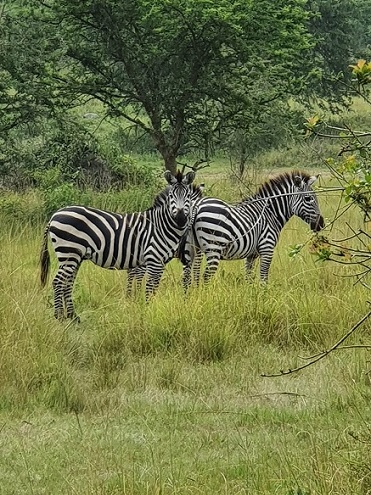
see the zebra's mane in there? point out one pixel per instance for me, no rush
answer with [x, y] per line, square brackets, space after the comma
[161, 197]
[277, 180]
[196, 192]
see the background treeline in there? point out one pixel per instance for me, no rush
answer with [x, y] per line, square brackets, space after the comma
[87, 87]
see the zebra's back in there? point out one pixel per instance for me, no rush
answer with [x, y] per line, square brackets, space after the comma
[234, 231]
[109, 240]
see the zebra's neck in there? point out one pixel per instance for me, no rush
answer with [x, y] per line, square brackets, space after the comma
[159, 216]
[274, 203]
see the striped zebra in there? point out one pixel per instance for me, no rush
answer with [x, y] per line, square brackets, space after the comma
[136, 274]
[116, 241]
[249, 229]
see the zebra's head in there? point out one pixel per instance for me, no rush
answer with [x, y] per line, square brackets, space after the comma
[305, 204]
[179, 196]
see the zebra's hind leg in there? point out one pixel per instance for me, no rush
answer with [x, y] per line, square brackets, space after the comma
[130, 281]
[265, 263]
[135, 278]
[187, 276]
[62, 286]
[197, 267]
[192, 266]
[249, 265]
[71, 272]
[212, 263]
[58, 288]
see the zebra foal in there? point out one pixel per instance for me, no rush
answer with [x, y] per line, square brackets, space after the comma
[114, 241]
[250, 229]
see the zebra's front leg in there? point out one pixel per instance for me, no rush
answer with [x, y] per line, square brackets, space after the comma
[212, 263]
[154, 274]
[265, 263]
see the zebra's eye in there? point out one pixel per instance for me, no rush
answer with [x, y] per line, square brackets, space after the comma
[308, 199]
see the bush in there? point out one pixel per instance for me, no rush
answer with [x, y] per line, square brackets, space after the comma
[63, 195]
[66, 151]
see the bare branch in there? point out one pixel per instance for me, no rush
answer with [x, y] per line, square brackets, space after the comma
[323, 354]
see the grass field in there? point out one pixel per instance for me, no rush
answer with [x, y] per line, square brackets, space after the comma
[168, 398]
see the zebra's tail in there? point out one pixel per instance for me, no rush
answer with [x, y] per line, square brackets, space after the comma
[181, 253]
[44, 258]
[187, 248]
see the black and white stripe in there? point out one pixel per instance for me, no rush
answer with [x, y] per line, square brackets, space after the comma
[136, 274]
[249, 229]
[114, 241]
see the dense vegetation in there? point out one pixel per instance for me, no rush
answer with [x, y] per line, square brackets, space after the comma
[96, 98]
[170, 78]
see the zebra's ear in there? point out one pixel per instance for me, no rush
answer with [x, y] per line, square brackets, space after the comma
[189, 178]
[298, 181]
[169, 177]
[312, 179]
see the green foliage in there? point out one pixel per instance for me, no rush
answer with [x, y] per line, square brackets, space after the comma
[178, 72]
[340, 29]
[21, 208]
[183, 77]
[295, 250]
[64, 195]
[352, 170]
[362, 71]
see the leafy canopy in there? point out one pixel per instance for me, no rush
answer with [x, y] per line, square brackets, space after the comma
[179, 70]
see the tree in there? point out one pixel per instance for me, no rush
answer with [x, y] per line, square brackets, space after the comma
[181, 71]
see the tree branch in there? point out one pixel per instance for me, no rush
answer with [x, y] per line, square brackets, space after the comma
[321, 355]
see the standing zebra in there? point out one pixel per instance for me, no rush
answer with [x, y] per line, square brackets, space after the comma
[136, 274]
[116, 241]
[249, 229]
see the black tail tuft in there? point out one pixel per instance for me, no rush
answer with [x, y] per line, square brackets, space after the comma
[44, 258]
[182, 248]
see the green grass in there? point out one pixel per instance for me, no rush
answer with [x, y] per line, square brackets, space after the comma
[168, 398]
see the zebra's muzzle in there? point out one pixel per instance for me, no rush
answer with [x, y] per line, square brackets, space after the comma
[317, 225]
[180, 218]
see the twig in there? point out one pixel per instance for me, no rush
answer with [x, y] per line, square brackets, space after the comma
[355, 346]
[321, 355]
[196, 166]
[78, 421]
[290, 394]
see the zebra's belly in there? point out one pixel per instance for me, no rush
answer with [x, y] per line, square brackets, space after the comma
[238, 251]
[127, 260]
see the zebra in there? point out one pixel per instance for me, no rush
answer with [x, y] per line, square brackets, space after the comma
[249, 229]
[136, 274]
[116, 241]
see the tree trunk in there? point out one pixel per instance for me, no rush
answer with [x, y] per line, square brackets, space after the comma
[168, 151]
[170, 163]
[168, 154]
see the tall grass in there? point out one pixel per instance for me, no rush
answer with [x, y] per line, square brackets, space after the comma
[168, 397]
